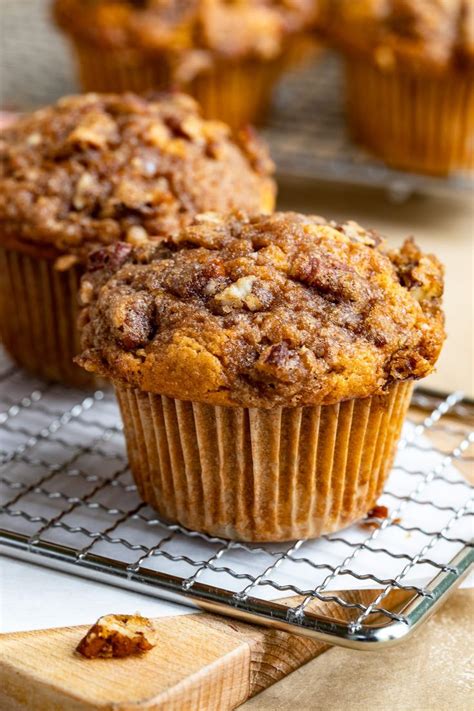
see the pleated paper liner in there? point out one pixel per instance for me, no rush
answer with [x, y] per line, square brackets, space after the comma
[236, 92]
[38, 317]
[417, 123]
[262, 475]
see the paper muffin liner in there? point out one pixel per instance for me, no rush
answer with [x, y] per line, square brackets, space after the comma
[236, 92]
[418, 123]
[104, 69]
[262, 475]
[38, 317]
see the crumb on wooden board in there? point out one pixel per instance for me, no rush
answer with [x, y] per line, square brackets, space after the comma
[118, 636]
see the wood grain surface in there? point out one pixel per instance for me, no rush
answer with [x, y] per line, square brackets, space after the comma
[431, 671]
[201, 661]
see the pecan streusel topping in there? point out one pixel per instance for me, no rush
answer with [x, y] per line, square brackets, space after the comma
[424, 35]
[229, 29]
[266, 311]
[95, 169]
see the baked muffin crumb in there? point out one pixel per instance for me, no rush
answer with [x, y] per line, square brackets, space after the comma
[118, 636]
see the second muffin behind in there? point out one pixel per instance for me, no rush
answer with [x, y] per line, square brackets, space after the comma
[98, 169]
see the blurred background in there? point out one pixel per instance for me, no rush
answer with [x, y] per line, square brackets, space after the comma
[319, 170]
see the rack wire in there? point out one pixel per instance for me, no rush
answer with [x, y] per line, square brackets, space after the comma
[67, 500]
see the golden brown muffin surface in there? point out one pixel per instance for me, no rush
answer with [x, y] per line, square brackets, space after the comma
[94, 169]
[423, 35]
[257, 312]
[229, 29]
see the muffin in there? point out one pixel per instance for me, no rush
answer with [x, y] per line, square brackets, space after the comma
[94, 170]
[410, 79]
[227, 55]
[263, 368]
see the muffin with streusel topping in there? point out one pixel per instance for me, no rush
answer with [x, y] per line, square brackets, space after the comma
[263, 367]
[410, 79]
[226, 54]
[97, 169]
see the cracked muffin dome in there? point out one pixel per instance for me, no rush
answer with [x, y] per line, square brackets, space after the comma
[260, 312]
[423, 35]
[94, 169]
[205, 26]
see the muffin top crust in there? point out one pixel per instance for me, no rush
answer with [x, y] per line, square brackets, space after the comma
[224, 27]
[94, 169]
[282, 310]
[423, 35]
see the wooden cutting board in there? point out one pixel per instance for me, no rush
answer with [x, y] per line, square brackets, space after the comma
[201, 662]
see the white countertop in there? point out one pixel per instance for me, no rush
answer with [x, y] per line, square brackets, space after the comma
[32, 598]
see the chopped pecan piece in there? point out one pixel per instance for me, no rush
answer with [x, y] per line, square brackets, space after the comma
[95, 129]
[109, 257]
[375, 516]
[132, 321]
[238, 294]
[118, 636]
[331, 277]
[65, 262]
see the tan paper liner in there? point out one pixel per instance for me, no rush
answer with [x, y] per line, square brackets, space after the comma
[38, 317]
[236, 92]
[412, 122]
[262, 475]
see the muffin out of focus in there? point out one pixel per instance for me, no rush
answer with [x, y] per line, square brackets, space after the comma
[263, 368]
[409, 79]
[228, 55]
[96, 169]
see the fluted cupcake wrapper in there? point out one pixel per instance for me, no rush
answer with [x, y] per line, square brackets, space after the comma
[411, 121]
[236, 92]
[118, 70]
[262, 475]
[38, 317]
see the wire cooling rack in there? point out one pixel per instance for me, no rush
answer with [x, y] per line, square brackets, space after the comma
[306, 128]
[67, 501]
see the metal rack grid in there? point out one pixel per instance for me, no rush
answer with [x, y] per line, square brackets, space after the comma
[67, 501]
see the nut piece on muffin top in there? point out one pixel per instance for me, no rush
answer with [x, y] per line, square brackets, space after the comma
[95, 169]
[424, 35]
[259, 312]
